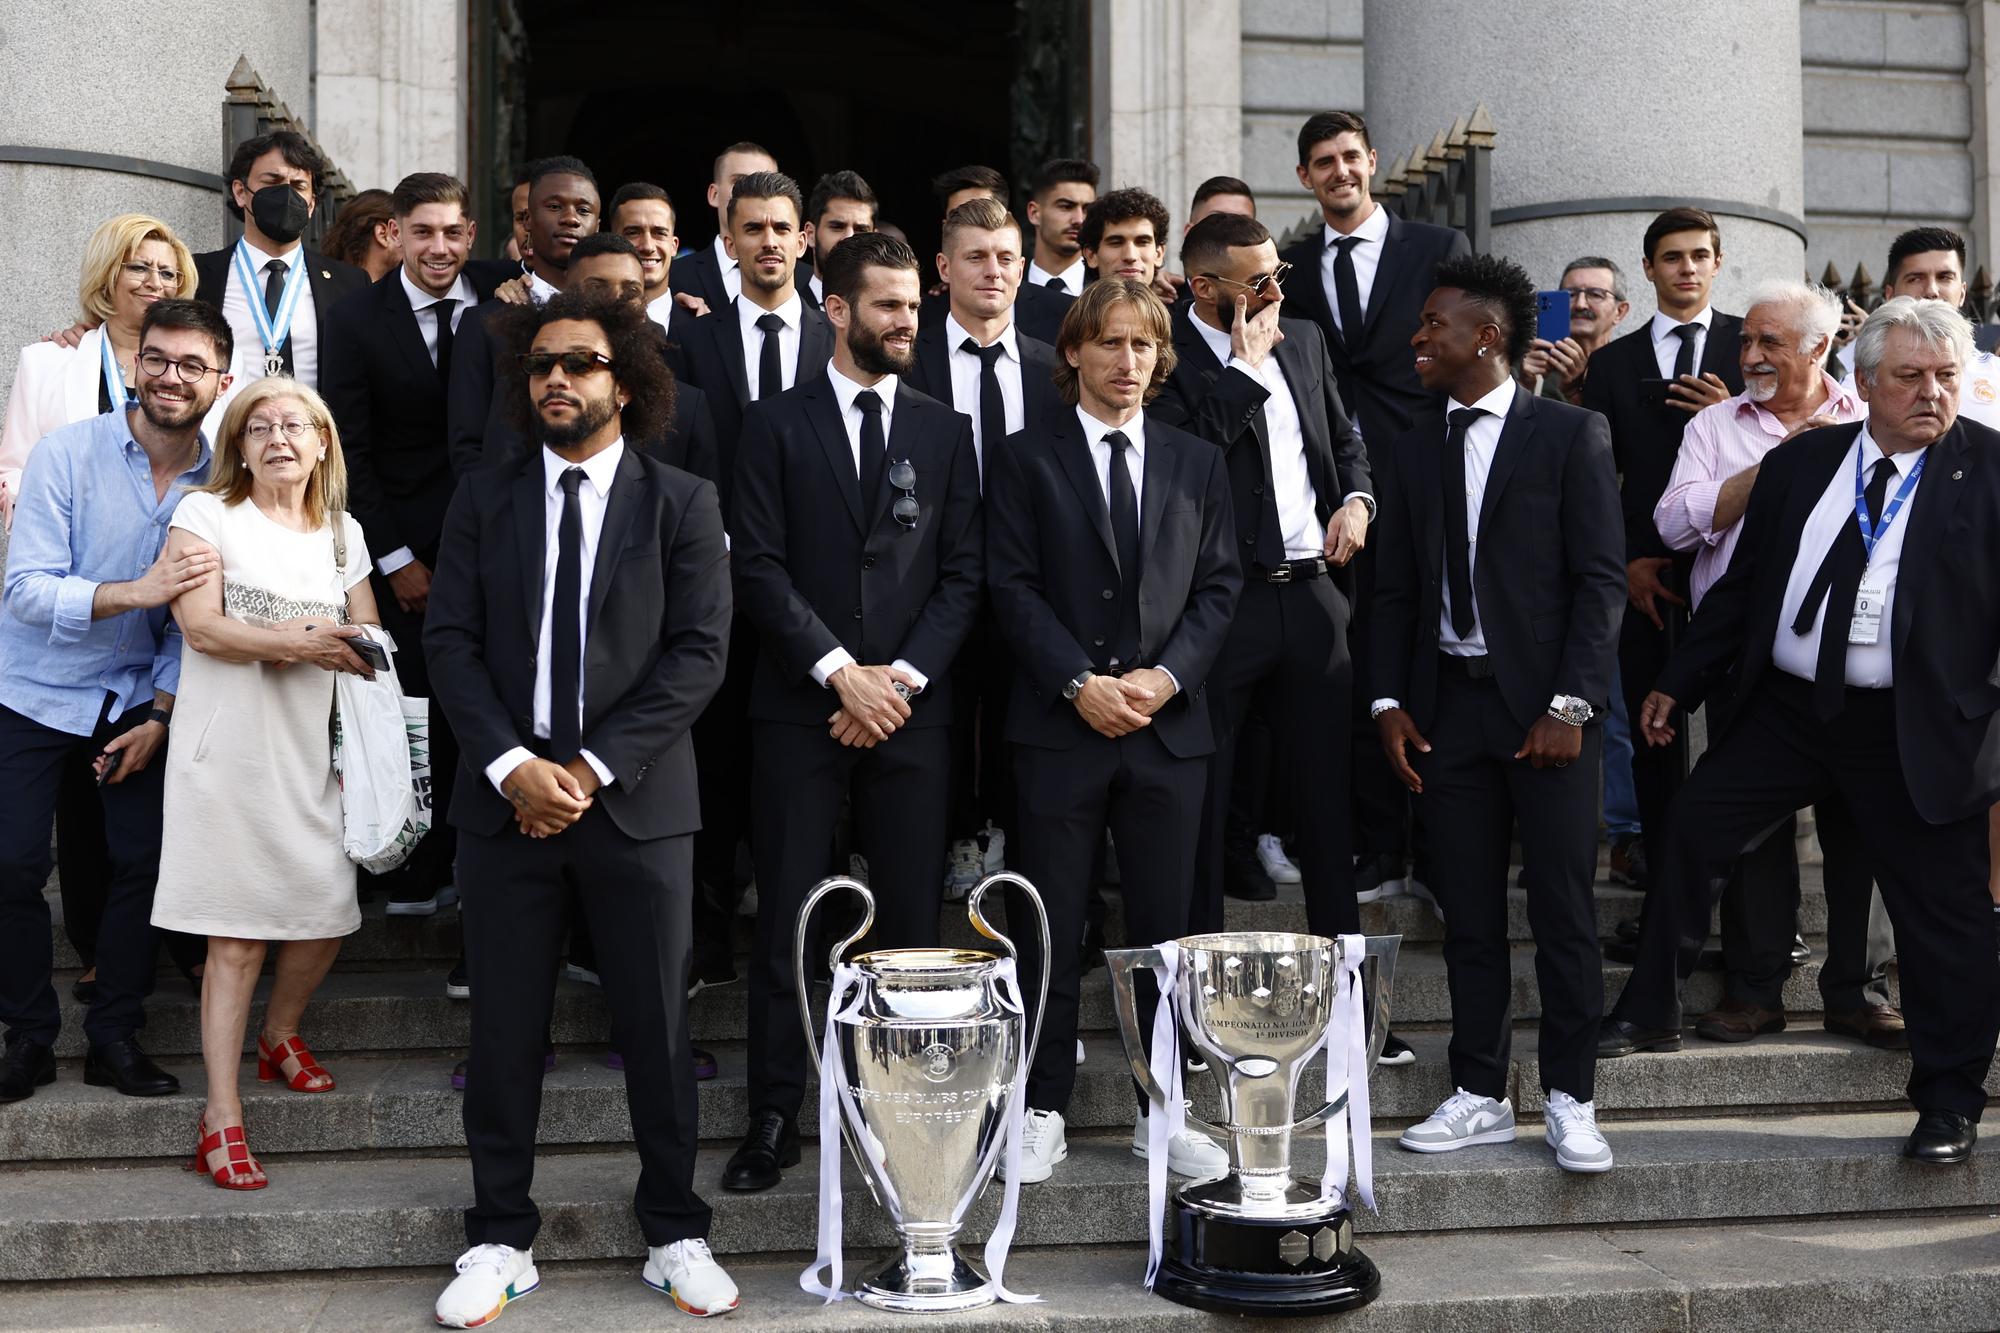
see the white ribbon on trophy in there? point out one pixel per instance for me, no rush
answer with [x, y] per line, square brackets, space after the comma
[1006, 985]
[1162, 1123]
[1348, 1018]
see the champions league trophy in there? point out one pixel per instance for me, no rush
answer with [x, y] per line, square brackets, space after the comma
[1260, 1007]
[922, 1068]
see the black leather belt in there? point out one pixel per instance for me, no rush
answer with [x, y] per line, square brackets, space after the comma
[1472, 668]
[1293, 571]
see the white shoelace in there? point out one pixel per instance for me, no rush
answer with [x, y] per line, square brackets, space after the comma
[1460, 1105]
[495, 1257]
[1036, 1127]
[692, 1253]
[1571, 1114]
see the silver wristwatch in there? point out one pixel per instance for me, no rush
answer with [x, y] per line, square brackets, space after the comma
[1070, 690]
[1567, 708]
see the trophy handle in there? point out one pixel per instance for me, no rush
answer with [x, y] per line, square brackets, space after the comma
[985, 927]
[1122, 963]
[1378, 966]
[821, 890]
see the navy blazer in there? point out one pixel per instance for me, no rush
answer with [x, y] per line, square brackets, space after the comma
[712, 348]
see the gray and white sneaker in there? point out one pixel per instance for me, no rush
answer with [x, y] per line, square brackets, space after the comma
[1464, 1120]
[965, 868]
[1572, 1131]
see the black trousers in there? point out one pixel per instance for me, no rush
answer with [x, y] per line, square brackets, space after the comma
[636, 895]
[1778, 757]
[32, 760]
[1151, 801]
[722, 766]
[982, 777]
[1380, 802]
[1287, 646]
[430, 865]
[1657, 771]
[1474, 791]
[802, 777]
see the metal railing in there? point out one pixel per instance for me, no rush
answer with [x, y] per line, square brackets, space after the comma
[1861, 288]
[1450, 182]
[250, 108]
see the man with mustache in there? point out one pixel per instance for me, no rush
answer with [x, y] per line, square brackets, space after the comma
[89, 664]
[1597, 306]
[857, 554]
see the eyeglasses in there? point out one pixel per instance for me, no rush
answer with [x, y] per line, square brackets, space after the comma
[1591, 293]
[190, 370]
[140, 271]
[539, 364]
[904, 478]
[1257, 284]
[257, 432]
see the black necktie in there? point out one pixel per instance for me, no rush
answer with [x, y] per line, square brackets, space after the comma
[1057, 285]
[1458, 520]
[274, 293]
[873, 447]
[443, 310]
[992, 407]
[1684, 359]
[770, 370]
[1124, 505]
[566, 633]
[1347, 289]
[1836, 583]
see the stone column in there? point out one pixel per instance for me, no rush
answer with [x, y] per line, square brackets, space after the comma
[1607, 114]
[391, 88]
[1166, 95]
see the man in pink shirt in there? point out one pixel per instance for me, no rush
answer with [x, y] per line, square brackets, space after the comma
[1787, 336]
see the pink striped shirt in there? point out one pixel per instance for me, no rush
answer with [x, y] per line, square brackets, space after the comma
[1722, 441]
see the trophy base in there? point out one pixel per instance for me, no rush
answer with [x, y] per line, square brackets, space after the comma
[935, 1283]
[1278, 1266]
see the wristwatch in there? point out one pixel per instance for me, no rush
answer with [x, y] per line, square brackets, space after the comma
[903, 692]
[1567, 708]
[161, 716]
[1069, 690]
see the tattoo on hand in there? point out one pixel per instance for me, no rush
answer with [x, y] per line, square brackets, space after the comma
[517, 796]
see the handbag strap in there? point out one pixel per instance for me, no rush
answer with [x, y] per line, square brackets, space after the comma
[340, 565]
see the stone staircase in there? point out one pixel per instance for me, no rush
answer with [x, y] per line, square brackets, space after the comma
[1756, 1186]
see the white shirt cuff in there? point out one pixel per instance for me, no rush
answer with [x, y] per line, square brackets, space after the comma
[396, 560]
[604, 777]
[497, 771]
[902, 664]
[829, 664]
[1383, 706]
[1365, 498]
[1172, 677]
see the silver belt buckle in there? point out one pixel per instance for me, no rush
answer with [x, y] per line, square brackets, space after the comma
[1282, 574]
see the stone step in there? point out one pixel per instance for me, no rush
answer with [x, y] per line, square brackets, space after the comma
[1783, 1277]
[155, 1221]
[406, 1103]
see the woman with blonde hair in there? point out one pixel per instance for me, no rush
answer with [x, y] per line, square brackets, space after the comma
[252, 846]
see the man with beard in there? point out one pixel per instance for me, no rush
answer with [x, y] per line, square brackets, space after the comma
[89, 664]
[1058, 194]
[857, 553]
[711, 274]
[578, 772]
[841, 205]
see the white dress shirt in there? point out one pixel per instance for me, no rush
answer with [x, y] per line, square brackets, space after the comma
[1667, 346]
[1373, 231]
[1071, 277]
[732, 276]
[845, 391]
[1482, 439]
[591, 497]
[424, 306]
[965, 382]
[1094, 432]
[818, 289]
[1869, 666]
[540, 290]
[248, 362]
[747, 315]
[661, 309]
[1299, 527]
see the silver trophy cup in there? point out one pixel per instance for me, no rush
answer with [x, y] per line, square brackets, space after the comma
[931, 1055]
[1257, 1005]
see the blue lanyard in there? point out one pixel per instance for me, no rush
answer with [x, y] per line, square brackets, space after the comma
[115, 391]
[1872, 533]
[272, 330]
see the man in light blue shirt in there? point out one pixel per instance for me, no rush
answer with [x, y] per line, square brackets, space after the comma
[89, 662]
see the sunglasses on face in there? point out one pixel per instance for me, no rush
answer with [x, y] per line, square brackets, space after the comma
[539, 364]
[903, 477]
[1258, 285]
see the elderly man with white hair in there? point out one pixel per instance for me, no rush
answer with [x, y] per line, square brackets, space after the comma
[1859, 625]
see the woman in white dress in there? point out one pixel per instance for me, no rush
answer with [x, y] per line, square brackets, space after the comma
[252, 846]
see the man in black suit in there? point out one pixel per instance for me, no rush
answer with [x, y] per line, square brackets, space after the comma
[841, 205]
[711, 273]
[1861, 657]
[1648, 385]
[643, 214]
[1498, 587]
[578, 771]
[1058, 194]
[1113, 561]
[278, 311]
[1001, 379]
[386, 362]
[857, 552]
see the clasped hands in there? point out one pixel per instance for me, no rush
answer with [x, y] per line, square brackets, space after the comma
[548, 797]
[1117, 706]
[870, 708]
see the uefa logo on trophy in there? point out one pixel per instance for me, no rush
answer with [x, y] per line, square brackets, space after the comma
[1261, 1007]
[922, 1062]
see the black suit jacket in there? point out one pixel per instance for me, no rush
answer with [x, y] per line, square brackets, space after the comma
[1225, 407]
[656, 639]
[932, 373]
[1378, 372]
[389, 402]
[1549, 577]
[330, 280]
[698, 274]
[1039, 311]
[1646, 440]
[819, 566]
[1944, 627]
[712, 347]
[1052, 563]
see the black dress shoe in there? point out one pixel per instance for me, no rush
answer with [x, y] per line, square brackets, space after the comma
[1618, 1037]
[771, 1143]
[84, 992]
[28, 1065]
[122, 1065]
[1942, 1138]
[1248, 883]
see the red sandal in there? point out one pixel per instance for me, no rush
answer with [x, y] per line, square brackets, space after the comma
[270, 1059]
[239, 1170]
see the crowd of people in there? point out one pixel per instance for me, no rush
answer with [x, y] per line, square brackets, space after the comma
[793, 555]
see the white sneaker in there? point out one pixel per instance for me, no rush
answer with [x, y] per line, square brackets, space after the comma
[686, 1271]
[583, 974]
[747, 905]
[1079, 1050]
[1271, 856]
[1416, 888]
[1042, 1146]
[994, 859]
[965, 870]
[1572, 1131]
[857, 867]
[488, 1277]
[1190, 1153]
[1464, 1120]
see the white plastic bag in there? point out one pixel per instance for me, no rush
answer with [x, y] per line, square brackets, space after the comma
[381, 757]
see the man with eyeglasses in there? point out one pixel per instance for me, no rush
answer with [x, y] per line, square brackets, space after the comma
[1597, 305]
[858, 560]
[89, 664]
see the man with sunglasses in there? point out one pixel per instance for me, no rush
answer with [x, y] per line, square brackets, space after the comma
[858, 558]
[89, 663]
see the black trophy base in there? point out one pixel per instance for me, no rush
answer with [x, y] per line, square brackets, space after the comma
[1237, 1265]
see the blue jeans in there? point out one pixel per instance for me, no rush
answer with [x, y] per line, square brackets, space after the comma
[1621, 798]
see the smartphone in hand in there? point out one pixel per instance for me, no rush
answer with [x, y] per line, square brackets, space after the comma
[1552, 316]
[371, 652]
[111, 761]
